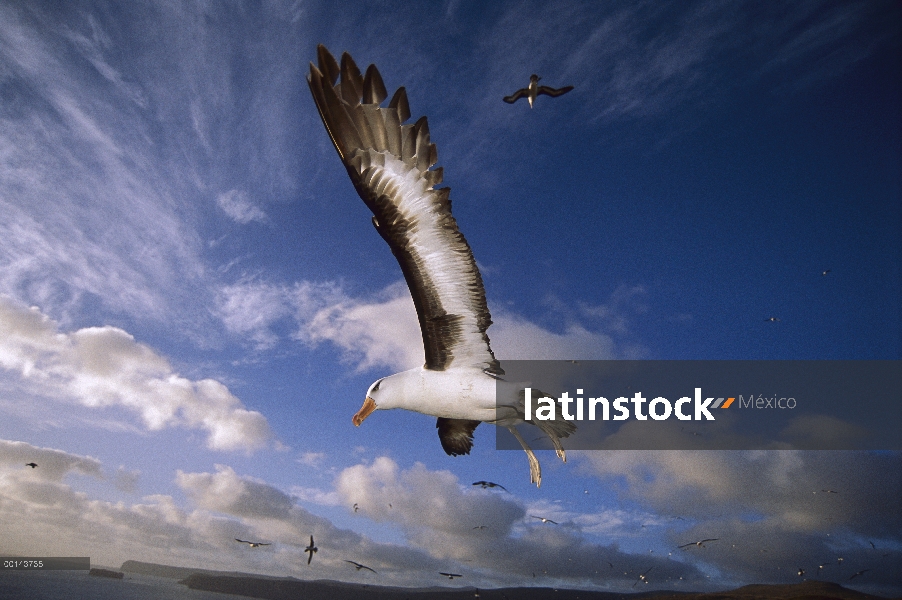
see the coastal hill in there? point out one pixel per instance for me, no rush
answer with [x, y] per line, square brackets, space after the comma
[276, 588]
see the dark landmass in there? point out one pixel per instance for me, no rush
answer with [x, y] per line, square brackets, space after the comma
[106, 573]
[293, 589]
[143, 568]
[808, 590]
[289, 588]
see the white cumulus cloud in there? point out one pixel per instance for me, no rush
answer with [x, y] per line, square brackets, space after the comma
[105, 366]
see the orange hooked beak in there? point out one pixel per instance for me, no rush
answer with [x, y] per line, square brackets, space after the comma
[369, 405]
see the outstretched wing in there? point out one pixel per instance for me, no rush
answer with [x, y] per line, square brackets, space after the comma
[389, 165]
[550, 91]
[516, 95]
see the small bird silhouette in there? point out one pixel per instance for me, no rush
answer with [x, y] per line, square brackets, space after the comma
[252, 544]
[31, 464]
[543, 519]
[772, 319]
[359, 566]
[311, 549]
[858, 573]
[534, 90]
[489, 484]
[450, 575]
[700, 543]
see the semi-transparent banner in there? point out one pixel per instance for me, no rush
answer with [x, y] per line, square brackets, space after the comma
[705, 405]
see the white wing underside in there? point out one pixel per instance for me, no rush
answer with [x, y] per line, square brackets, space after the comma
[389, 164]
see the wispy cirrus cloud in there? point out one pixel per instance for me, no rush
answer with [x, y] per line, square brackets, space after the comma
[88, 210]
[118, 138]
[642, 62]
[239, 208]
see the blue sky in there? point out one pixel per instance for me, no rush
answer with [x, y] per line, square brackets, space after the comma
[193, 300]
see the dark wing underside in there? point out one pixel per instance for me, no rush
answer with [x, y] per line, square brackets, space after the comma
[389, 165]
[521, 93]
[456, 435]
[550, 91]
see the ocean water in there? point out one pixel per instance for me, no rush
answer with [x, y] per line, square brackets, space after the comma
[69, 585]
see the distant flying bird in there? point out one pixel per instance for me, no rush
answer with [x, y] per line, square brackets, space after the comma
[700, 543]
[533, 90]
[825, 272]
[252, 544]
[543, 519]
[642, 577]
[356, 508]
[872, 544]
[389, 165]
[772, 319]
[31, 464]
[450, 575]
[830, 491]
[489, 484]
[801, 572]
[311, 549]
[858, 573]
[481, 527]
[359, 566]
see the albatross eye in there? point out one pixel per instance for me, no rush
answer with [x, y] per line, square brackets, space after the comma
[376, 385]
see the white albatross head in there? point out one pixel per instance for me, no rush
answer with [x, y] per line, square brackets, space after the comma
[383, 394]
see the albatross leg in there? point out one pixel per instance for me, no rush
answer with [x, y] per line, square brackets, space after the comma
[535, 471]
[555, 440]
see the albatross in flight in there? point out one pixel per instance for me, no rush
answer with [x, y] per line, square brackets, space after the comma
[311, 549]
[700, 543]
[533, 90]
[252, 544]
[359, 566]
[489, 484]
[389, 165]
